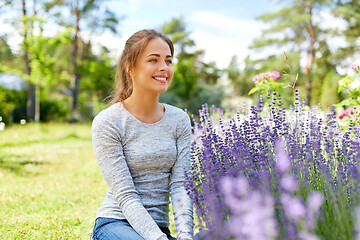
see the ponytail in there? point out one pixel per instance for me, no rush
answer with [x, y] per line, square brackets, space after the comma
[123, 81]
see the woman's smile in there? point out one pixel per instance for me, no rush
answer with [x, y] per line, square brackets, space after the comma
[162, 79]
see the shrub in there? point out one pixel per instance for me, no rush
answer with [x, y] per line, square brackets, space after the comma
[10, 102]
[53, 110]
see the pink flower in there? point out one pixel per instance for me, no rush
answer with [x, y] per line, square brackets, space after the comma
[275, 75]
[266, 75]
[347, 113]
[353, 66]
[256, 78]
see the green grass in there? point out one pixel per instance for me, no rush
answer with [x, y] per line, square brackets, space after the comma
[51, 186]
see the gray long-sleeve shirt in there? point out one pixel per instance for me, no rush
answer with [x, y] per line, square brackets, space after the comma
[142, 163]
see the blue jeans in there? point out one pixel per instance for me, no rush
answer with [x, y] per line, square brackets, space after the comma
[118, 229]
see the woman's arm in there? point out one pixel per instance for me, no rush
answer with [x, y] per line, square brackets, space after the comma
[182, 205]
[109, 154]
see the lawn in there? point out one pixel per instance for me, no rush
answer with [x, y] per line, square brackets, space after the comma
[51, 185]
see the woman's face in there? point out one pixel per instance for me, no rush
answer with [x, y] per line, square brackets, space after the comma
[153, 70]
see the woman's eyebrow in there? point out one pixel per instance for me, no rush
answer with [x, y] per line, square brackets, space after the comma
[158, 55]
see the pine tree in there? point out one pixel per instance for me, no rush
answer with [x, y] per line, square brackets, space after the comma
[349, 11]
[294, 29]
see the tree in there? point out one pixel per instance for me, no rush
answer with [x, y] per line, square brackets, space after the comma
[6, 54]
[49, 67]
[184, 85]
[349, 11]
[81, 11]
[28, 20]
[293, 27]
[194, 82]
[5, 5]
[179, 36]
[30, 104]
[9, 98]
[325, 77]
[233, 74]
[210, 72]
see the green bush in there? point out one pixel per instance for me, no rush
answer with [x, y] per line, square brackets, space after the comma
[11, 102]
[53, 110]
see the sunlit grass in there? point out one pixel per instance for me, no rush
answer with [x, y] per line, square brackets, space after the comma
[51, 185]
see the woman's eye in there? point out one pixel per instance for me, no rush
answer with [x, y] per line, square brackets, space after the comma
[153, 60]
[169, 61]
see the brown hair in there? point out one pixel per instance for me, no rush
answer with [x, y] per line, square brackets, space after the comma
[132, 50]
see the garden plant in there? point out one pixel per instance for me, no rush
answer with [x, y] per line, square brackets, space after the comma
[267, 172]
[350, 85]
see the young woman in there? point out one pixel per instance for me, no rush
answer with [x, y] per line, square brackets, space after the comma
[143, 148]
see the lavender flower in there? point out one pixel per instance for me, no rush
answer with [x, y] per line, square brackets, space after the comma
[313, 204]
[293, 206]
[304, 235]
[273, 158]
[314, 201]
[357, 226]
[251, 212]
[283, 161]
[289, 183]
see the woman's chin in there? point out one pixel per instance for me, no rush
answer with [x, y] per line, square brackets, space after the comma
[162, 89]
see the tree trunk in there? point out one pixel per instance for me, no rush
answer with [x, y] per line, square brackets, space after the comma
[310, 57]
[37, 86]
[30, 103]
[76, 77]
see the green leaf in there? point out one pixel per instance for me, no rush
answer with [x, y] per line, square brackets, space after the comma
[347, 102]
[255, 89]
[344, 83]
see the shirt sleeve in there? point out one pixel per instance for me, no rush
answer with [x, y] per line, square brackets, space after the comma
[108, 150]
[181, 202]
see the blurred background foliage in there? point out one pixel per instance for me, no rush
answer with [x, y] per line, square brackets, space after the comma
[64, 79]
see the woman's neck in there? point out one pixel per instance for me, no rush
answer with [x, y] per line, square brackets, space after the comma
[145, 108]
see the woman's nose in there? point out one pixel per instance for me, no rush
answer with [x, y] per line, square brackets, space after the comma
[163, 66]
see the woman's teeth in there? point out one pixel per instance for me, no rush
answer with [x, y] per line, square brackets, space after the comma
[161, 79]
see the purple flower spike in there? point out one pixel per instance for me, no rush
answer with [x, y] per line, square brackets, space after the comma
[289, 183]
[314, 201]
[248, 165]
[293, 207]
[251, 212]
[303, 235]
[283, 161]
[357, 223]
[313, 205]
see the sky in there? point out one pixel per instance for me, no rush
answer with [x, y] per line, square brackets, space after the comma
[222, 28]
